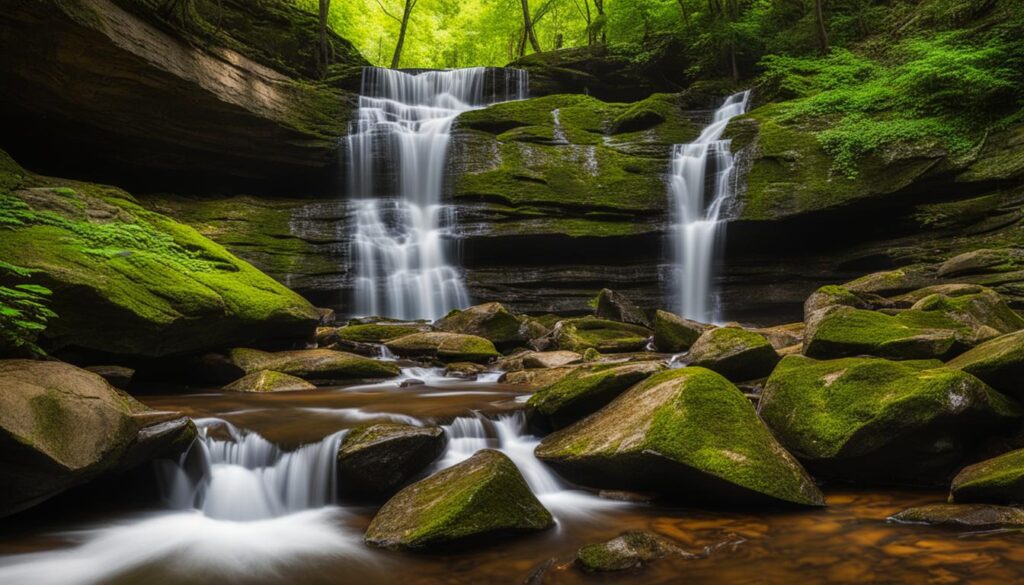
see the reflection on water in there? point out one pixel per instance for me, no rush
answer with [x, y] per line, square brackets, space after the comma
[848, 542]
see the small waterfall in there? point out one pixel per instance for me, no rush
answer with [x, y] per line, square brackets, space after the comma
[403, 125]
[696, 228]
[244, 477]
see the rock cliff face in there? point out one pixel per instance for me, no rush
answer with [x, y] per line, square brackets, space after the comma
[119, 89]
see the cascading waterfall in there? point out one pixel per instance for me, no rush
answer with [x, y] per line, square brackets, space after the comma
[697, 227]
[399, 246]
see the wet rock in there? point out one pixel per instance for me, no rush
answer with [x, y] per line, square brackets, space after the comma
[673, 333]
[467, 370]
[411, 382]
[998, 362]
[980, 261]
[735, 353]
[602, 335]
[616, 307]
[376, 459]
[550, 359]
[970, 516]
[627, 551]
[889, 282]
[539, 377]
[61, 426]
[268, 381]
[999, 480]
[491, 321]
[482, 496]
[685, 433]
[117, 376]
[327, 316]
[369, 332]
[783, 336]
[448, 347]
[872, 420]
[834, 296]
[846, 331]
[586, 390]
[315, 364]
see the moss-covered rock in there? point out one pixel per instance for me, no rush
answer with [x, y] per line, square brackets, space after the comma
[377, 332]
[268, 381]
[673, 333]
[315, 364]
[61, 426]
[834, 296]
[449, 347]
[491, 321]
[981, 314]
[998, 362]
[616, 307]
[879, 421]
[628, 550]
[550, 359]
[735, 353]
[376, 459]
[999, 480]
[126, 280]
[685, 433]
[783, 337]
[967, 516]
[482, 496]
[587, 390]
[605, 336]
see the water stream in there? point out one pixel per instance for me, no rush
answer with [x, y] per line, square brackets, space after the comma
[701, 183]
[397, 151]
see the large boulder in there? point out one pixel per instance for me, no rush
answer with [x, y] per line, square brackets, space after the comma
[998, 362]
[735, 353]
[482, 496]
[376, 459]
[967, 516]
[491, 321]
[628, 550]
[999, 480]
[550, 359]
[61, 426]
[314, 364]
[686, 433]
[605, 336]
[371, 332]
[586, 390]
[129, 281]
[448, 347]
[880, 421]
[268, 381]
[673, 333]
[616, 307]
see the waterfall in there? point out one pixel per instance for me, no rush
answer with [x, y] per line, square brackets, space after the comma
[230, 474]
[696, 226]
[403, 126]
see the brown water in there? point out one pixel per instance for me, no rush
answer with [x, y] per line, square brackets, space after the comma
[850, 541]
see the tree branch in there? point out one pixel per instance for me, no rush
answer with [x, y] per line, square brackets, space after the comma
[399, 20]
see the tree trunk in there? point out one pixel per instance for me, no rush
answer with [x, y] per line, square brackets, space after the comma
[528, 27]
[686, 15]
[397, 58]
[323, 55]
[819, 16]
[599, 4]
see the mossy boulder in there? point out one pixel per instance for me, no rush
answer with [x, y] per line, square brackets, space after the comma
[550, 359]
[685, 433]
[735, 353]
[999, 480]
[376, 459]
[980, 314]
[998, 362]
[448, 347]
[783, 336]
[314, 364]
[628, 550]
[129, 281]
[966, 516]
[587, 390]
[61, 426]
[602, 335]
[484, 496]
[879, 421]
[673, 333]
[834, 296]
[616, 307]
[377, 332]
[491, 321]
[268, 381]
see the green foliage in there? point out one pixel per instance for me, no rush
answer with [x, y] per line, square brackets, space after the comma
[23, 312]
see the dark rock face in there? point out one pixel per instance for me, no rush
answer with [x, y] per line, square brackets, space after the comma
[377, 459]
[121, 93]
[61, 426]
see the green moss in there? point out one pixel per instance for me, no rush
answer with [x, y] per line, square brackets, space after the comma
[453, 347]
[998, 480]
[673, 334]
[375, 332]
[587, 389]
[858, 406]
[847, 331]
[998, 362]
[735, 353]
[605, 336]
[312, 363]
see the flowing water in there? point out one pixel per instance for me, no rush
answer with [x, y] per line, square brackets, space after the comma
[254, 502]
[701, 183]
[398, 150]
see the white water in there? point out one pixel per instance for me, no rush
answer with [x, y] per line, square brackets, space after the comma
[697, 227]
[399, 246]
